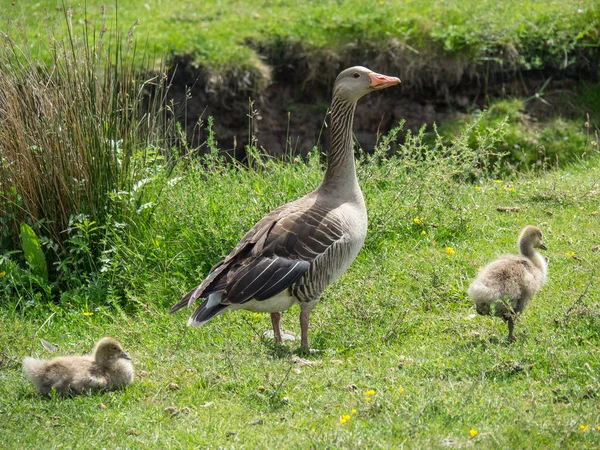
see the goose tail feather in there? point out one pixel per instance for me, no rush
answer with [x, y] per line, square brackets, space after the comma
[204, 313]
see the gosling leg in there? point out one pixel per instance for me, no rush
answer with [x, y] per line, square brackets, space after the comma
[511, 326]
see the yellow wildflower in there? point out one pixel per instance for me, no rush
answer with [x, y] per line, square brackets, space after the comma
[423, 232]
[477, 187]
[418, 220]
[450, 251]
[497, 181]
[370, 393]
[473, 432]
[88, 314]
[393, 277]
[570, 253]
[511, 189]
[345, 418]
[368, 399]
[584, 428]
[2, 274]
[400, 390]
[353, 411]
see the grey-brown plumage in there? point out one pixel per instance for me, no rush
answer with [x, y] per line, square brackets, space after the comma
[107, 368]
[504, 287]
[292, 254]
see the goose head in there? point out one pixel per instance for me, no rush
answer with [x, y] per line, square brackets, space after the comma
[531, 237]
[109, 350]
[355, 82]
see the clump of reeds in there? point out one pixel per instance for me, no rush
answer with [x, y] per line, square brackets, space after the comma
[77, 129]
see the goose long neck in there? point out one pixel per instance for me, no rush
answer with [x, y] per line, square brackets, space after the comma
[340, 175]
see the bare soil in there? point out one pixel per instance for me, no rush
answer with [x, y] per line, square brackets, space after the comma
[283, 106]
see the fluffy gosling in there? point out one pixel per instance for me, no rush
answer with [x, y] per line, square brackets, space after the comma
[504, 287]
[107, 368]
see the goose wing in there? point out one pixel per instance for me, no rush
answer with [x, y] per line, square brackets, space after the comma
[275, 253]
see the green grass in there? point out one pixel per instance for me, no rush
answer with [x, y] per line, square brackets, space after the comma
[531, 144]
[231, 33]
[398, 322]
[398, 319]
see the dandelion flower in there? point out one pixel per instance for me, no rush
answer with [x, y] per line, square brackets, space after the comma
[345, 418]
[393, 277]
[418, 220]
[423, 232]
[2, 274]
[511, 189]
[343, 421]
[477, 188]
[584, 428]
[497, 181]
[370, 393]
[400, 390]
[368, 399]
[570, 253]
[450, 251]
[473, 432]
[354, 412]
[88, 313]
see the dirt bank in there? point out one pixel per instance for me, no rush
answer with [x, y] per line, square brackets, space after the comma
[283, 105]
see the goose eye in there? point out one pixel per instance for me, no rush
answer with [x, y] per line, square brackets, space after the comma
[356, 75]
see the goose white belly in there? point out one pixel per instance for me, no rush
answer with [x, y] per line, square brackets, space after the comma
[280, 302]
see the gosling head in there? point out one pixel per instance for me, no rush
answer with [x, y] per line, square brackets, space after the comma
[108, 350]
[531, 237]
[357, 81]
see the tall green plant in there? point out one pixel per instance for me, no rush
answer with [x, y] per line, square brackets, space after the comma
[77, 129]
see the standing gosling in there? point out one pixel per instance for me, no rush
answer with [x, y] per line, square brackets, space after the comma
[503, 288]
[107, 368]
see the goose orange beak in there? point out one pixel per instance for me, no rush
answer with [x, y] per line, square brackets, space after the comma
[379, 81]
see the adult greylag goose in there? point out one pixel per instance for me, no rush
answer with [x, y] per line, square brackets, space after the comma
[504, 287]
[291, 255]
[107, 368]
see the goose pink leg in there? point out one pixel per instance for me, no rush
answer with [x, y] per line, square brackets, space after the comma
[275, 319]
[304, 319]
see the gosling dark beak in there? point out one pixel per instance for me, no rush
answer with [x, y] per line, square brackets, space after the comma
[125, 356]
[379, 81]
[543, 246]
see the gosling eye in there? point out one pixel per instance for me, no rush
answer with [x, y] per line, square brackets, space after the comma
[356, 74]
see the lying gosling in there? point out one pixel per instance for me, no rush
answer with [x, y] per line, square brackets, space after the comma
[504, 287]
[107, 368]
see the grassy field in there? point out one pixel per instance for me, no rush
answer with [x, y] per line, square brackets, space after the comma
[400, 358]
[232, 33]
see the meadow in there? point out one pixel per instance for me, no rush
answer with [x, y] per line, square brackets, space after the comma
[122, 217]
[401, 358]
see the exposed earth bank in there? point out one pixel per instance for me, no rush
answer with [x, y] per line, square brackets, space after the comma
[282, 107]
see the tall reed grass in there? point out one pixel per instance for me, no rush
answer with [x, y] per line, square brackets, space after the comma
[76, 131]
